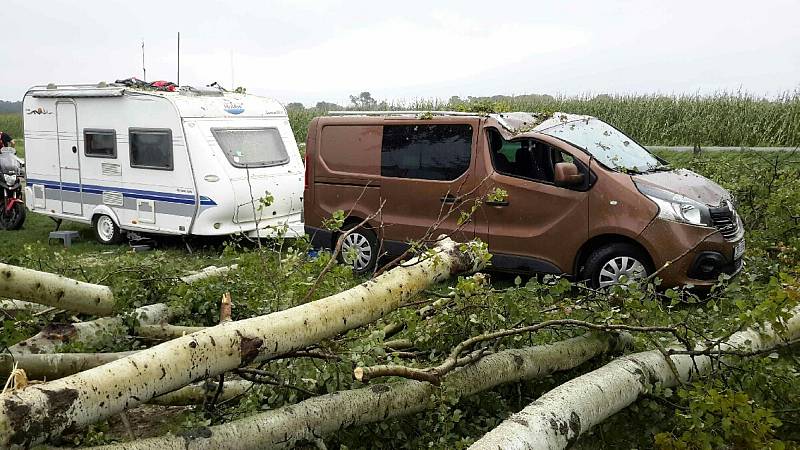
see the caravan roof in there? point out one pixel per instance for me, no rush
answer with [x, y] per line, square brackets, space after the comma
[189, 101]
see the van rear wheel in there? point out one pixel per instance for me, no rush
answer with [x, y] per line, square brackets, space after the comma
[106, 231]
[359, 249]
[615, 264]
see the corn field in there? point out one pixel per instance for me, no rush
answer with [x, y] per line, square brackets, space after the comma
[718, 120]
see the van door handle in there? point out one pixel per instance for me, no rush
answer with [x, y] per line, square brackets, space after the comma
[449, 198]
[497, 202]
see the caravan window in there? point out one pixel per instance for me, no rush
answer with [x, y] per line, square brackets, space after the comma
[151, 148]
[100, 143]
[252, 147]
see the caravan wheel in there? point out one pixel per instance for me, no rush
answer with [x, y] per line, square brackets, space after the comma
[106, 231]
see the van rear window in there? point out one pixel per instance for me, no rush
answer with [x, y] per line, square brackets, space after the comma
[252, 147]
[428, 152]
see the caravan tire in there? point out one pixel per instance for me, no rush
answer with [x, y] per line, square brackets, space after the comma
[105, 230]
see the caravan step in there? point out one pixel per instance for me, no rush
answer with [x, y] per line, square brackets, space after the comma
[66, 236]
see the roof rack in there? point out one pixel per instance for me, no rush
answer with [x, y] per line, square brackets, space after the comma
[401, 113]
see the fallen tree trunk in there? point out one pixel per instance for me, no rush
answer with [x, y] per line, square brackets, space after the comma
[54, 290]
[208, 272]
[320, 416]
[165, 331]
[14, 306]
[51, 366]
[559, 417]
[39, 411]
[89, 333]
[195, 394]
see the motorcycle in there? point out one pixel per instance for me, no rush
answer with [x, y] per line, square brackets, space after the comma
[12, 204]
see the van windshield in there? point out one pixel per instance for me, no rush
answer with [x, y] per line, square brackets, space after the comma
[252, 147]
[607, 144]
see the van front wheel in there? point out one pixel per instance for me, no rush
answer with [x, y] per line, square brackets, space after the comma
[359, 249]
[616, 263]
[106, 231]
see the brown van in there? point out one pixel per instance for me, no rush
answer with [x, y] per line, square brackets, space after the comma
[581, 198]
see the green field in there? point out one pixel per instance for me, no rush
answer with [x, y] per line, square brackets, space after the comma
[11, 124]
[717, 120]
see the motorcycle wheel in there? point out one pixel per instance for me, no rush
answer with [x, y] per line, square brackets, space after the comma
[14, 218]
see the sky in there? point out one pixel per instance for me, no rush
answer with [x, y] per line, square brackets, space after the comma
[326, 50]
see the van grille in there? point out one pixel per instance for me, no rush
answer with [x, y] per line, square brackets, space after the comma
[725, 220]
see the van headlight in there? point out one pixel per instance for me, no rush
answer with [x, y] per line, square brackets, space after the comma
[676, 207]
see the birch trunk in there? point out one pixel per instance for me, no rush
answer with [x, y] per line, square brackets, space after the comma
[208, 272]
[195, 394]
[39, 411]
[89, 333]
[165, 331]
[559, 417]
[51, 366]
[14, 306]
[54, 290]
[321, 416]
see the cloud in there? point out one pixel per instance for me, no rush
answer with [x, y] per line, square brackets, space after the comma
[394, 53]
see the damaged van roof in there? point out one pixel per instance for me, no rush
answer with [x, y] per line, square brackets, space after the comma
[519, 122]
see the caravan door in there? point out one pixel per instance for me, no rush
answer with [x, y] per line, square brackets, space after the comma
[68, 157]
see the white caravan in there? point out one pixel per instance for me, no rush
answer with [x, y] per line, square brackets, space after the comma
[191, 162]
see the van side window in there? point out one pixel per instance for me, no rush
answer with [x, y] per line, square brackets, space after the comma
[428, 152]
[525, 158]
[151, 148]
[100, 143]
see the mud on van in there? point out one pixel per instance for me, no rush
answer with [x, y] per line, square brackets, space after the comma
[583, 199]
[195, 161]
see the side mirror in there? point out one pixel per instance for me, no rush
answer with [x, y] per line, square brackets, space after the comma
[567, 174]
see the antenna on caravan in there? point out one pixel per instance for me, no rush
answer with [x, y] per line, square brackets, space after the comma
[179, 58]
[233, 86]
[144, 71]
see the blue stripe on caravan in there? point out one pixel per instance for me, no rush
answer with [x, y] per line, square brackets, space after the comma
[131, 193]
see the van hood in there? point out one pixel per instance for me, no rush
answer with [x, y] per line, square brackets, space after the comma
[686, 183]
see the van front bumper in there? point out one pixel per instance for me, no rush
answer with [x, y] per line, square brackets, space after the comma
[687, 254]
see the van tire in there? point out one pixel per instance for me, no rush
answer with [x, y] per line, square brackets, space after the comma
[364, 241]
[106, 231]
[628, 258]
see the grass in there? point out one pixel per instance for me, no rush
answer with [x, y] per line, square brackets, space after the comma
[267, 282]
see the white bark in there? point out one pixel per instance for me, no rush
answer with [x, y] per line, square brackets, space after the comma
[54, 290]
[51, 366]
[208, 272]
[194, 394]
[165, 331]
[89, 333]
[321, 416]
[13, 306]
[560, 416]
[43, 410]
